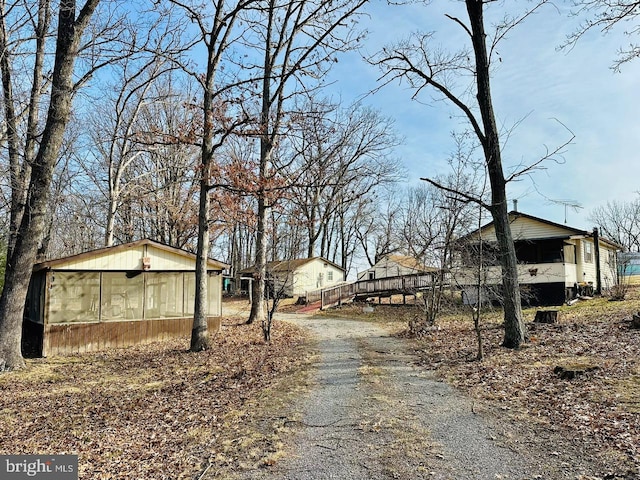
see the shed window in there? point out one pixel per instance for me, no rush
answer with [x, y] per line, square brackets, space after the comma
[122, 296]
[74, 297]
[330, 276]
[189, 292]
[164, 295]
[588, 252]
[116, 296]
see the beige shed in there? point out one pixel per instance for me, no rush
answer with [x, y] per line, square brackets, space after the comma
[114, 297]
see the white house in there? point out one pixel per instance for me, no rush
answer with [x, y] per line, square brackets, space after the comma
[300, 276]
[395, 266]
[556, 262]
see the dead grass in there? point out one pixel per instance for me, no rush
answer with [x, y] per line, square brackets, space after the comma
[600, 409]
[157, 411]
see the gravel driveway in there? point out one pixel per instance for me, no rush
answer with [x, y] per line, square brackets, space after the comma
[373, 414]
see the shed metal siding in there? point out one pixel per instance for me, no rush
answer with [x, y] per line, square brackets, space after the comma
[131, 259]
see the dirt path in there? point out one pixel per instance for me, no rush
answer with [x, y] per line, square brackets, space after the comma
[374, 415]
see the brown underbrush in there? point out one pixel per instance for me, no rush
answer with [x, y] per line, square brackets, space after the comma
[155, 411]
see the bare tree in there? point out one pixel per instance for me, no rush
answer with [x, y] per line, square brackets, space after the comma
[298, 41]
[222, 114]
[33, 162]
[378, 226]
[416, 62]
[344, 156]
[115, 130]
[433, 220]
[161, 184]
[605, 16]
[620, 222]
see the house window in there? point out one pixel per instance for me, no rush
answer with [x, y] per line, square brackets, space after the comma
[329, 276]
[588, 252]
[372, 275]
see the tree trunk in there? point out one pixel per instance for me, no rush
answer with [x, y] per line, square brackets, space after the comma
[258, 310]
[20, 264]
[111, 216]
[267, 137]
[514, 334]
[199, 333]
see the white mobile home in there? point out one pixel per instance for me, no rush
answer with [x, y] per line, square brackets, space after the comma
[396, 266]
[297, 277]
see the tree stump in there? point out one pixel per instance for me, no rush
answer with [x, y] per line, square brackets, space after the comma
[546, 316]
[635, 321]
[569, 372]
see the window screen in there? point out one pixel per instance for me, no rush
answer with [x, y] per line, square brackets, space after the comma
[122, 296]
[74, 297]
[588, 252]
[164, 295]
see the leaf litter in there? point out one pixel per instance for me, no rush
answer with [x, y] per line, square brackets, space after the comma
[599, 408]
[152, 411]
[594, 417]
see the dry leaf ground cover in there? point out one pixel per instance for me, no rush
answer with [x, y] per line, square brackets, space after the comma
[154, 411]
[599, 410]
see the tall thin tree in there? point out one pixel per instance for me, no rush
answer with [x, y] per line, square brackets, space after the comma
[414, 61]
[299, 40]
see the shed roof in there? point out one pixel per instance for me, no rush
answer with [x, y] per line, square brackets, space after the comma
[411, 262]
[60, 262]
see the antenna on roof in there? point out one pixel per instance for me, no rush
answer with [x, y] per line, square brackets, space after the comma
[572, 204]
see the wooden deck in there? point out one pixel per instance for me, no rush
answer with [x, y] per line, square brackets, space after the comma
[363, 289]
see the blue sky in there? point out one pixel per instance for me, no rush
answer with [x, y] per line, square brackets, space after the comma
[534, 83]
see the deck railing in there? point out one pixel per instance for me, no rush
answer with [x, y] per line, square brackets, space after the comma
[345, 292]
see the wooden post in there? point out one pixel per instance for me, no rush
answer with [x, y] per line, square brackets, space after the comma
[596, 241]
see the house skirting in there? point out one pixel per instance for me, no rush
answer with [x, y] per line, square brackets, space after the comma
[544, 294]
[65, 339]
[534, 295]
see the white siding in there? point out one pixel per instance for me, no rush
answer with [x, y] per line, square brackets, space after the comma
[529, 274]
[608, 267]
[130, 259]
[314, 275]
[587, 270]
[386, 268]
[557, 272]
[164, 260]
[526, 228]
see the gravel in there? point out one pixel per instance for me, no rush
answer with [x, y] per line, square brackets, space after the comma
[374, 414]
